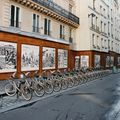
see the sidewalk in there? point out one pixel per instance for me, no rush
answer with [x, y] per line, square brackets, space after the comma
[9, 103]
[2, 85]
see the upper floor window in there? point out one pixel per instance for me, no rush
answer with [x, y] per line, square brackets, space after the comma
[96, 21]
[35, 23]
[111, 14]
[102, 44]
[93, 40]
[70, 35]
[104, 27]
[101, 9]
[93, 4]
[70, 8]
[108, 27]
[108, 44]
[47, 25]
[104, 11]
[62, 32]
[15, 16]
[101, 26]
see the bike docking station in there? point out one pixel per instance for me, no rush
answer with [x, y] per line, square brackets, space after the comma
[67, 81]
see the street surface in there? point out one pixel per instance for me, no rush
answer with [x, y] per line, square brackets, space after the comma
[95, 100]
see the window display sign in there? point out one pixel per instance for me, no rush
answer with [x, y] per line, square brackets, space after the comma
[8, 57]
[84, 61]
[111, 61]
[96, 60]
[118, 60]
[30, 57]
[77, 62]
[48, 58]
[108, 61]
[62, 58]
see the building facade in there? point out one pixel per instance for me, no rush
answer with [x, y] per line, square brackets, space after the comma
[58, 34]
[99, 33]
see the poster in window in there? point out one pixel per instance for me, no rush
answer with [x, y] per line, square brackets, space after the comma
[118, 60]
[77, 62]
[111, 61]
[48, 58]
[8, 57]
[84, 61]
[30, 57]
[62, 58]
[97, 61]
[108, 61]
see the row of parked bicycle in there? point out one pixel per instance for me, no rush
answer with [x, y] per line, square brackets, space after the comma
[50, 81]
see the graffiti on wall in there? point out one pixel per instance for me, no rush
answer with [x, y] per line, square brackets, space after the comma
[77, 62]
[118, 60]
[48, 58]
[84, 61]
[62, 58]
[30, 57]
[97, 61]
[107, 61]
[8, 57]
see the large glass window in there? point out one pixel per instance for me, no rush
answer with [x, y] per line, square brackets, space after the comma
[47, 27]
[62, 32]
[15, 16]
[35, 23]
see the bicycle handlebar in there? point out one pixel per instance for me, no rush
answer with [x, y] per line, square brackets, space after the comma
[13, 76]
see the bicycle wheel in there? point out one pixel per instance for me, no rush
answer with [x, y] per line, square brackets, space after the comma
[26, 92]
[57, 85]
[64, 84]
[80, 81]
[39, 90]
[70, 82]
[10, 90]
[48, 88]
[76, 81]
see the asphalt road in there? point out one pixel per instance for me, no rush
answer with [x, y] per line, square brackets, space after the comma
[91, 101]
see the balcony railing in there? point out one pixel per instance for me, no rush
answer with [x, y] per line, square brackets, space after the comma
[97, 28]
[70, 39]
[36, 29]
[58, 9]
[14, 23]
[62, 36]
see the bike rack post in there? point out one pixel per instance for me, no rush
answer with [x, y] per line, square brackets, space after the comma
[17, 94]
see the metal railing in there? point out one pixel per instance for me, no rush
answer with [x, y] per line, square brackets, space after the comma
[70, 39]
[35, 29]
[14, 23]
[58, 9]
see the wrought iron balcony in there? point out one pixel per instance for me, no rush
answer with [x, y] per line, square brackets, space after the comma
[58, 9]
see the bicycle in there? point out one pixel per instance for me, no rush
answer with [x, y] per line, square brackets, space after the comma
[33, 84]
[19, 88]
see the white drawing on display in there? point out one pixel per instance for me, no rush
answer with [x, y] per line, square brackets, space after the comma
[97, 61]
[62, 58]
[8, 57]
[84, 61]
[48, 58]
[30, 57]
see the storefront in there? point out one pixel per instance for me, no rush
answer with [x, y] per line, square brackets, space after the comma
[22, 53]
